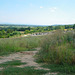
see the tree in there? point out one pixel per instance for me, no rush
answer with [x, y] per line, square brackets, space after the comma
[74, 26]
[26, 31]
[3, 32]
[50, 28]
[9, 31]
[57, 27]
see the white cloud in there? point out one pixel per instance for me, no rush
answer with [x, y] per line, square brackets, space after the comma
[41, 6]
[53, 9]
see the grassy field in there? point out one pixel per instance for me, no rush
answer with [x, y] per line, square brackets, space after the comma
[11, 63]
[10, 69]
[59, 50]
[61, 69]
[22, 71]
[9, 45]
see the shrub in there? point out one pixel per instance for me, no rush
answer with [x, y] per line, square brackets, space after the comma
[58, 48]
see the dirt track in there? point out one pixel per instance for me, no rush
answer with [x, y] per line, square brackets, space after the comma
[25, 56]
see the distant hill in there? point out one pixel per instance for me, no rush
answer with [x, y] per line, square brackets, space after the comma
[28, 25]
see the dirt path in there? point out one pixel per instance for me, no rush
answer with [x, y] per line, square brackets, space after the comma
[26, 56]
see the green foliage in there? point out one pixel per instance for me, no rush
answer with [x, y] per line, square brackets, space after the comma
[12, 63]
[61, 69]
[58, 48]
[9, 68]
[8, 31]
[3, 32]
[58, 52]
[22, 71]
[74, 26]
[18, 44]
[26, 32]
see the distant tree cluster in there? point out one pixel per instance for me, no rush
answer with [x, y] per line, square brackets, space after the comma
[7, 31]
[74, 26]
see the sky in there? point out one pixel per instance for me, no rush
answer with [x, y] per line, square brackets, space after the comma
[37, 12]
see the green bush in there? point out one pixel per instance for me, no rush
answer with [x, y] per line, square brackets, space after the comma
[58, 48]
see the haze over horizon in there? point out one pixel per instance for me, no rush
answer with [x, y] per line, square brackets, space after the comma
[37, 12]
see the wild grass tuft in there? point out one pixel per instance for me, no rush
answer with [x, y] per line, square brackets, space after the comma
[12, 63]
[61, 69]
[22, 71]
[58, 48]
[58, 52]
[9, 45]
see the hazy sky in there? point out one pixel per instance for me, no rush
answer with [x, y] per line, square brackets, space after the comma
[37, 11]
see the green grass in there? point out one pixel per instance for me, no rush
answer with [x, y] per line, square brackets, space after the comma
[58, 51]
[10, 45]
[9, 68]
[58, 48]
[12, 63]
[61, 69]
[22, 71]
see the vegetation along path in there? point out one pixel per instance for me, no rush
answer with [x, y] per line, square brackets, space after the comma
[25, 56]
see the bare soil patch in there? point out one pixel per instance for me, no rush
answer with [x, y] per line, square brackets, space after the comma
[25, 56]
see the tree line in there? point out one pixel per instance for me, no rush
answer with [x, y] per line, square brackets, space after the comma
[6, 32]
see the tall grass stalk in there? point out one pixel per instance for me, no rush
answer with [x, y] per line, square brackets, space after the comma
[58, 48]
[9, 45]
